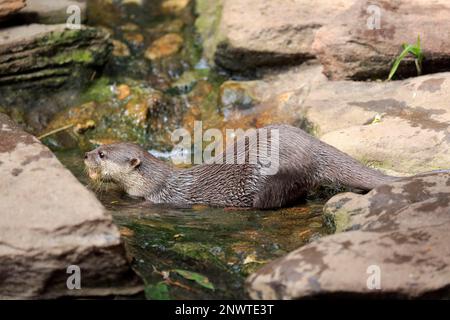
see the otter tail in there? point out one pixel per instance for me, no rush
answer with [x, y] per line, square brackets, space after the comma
[342, 169]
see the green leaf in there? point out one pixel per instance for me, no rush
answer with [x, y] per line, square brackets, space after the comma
[159, 291]
[415, 50]
[198, 278]
[398, 60]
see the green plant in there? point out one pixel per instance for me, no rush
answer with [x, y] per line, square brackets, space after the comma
[413, 49]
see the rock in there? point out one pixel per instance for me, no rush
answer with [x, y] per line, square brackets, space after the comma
[165, 46]
[131, 112]
[51, 12]
[56, 56]
[137, 111]
[129, 27]
[169, 26]
[8, 7]
[186, 82]
[48, 222]
[275, 98]
[104, 13]
[135, 2]
[174, 6]
[258, 33]
[123, 91]
[134, 39]
[238, 94]
[120, 49]
[411, 131]
[398, 232]
[349, 49]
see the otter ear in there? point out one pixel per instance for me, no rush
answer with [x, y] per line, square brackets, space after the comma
[135, 162]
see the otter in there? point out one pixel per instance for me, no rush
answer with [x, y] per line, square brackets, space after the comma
[304, 163]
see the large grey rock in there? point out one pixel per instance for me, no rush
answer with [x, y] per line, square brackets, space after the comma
[256, 33]
[49, 221]
[349, 49]
[398, 232]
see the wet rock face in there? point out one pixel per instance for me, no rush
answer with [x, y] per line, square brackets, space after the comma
[260, 33]
[59, 62]
[55, 55]
[49, 221]
[397, 242]
[8, 7]
[350, 49]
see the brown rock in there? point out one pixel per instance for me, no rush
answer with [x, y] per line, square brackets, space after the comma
[138, 111]
[49, 221]
[256, 33]
[134, 39]
[350, 49]
[55, 54]
[8, 7]
[174, 6]
[120, 49]
[167, 45]
[396, 247]
[124, 91]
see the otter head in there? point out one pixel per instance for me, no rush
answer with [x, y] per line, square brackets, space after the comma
[119, 163]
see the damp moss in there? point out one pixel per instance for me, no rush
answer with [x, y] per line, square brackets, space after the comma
[338, 221]
[59, 37]
[77, 56]
[99, 91]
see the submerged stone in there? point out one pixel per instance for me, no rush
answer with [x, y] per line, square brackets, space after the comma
[165, 46]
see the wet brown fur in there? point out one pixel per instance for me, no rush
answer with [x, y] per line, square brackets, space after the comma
[304, 163]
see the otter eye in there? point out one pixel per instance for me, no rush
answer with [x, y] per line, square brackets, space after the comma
[101, 154]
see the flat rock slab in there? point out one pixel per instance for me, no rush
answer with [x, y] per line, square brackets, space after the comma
[51, 11]
[397, 246]
[355, 47]
[256, 33]
[38, 55]
[49, 221]
[402, 126]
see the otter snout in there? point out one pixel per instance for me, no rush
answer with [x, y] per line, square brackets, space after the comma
[92, 164]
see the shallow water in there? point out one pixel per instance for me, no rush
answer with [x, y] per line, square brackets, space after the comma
[221, 245]
[184, 253]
